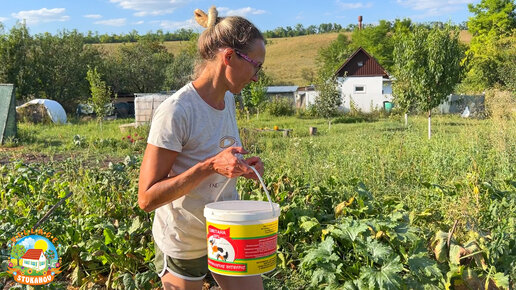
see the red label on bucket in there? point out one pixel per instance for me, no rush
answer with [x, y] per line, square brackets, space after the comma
[227, 266]
[255, 248]
[242, 249]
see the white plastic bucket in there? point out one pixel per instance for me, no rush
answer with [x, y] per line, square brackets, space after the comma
[241, 237]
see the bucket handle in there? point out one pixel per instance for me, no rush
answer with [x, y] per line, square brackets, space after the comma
[261, 182]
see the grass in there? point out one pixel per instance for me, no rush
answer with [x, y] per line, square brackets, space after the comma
[453, 176]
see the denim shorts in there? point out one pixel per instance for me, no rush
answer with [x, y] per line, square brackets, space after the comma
[192, 270]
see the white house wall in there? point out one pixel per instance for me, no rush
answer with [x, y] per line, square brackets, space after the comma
[376, 91]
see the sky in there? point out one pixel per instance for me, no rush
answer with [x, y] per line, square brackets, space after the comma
[124, 16]
[29, 242]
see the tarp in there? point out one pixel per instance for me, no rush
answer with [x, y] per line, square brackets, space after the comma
[55, 111]
[7, 112]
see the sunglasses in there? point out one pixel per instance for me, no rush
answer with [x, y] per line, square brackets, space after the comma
[257, 65]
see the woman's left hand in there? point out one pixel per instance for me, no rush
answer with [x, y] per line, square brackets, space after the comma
[257, 163]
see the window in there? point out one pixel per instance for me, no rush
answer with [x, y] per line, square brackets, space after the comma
[34, 263]
[359, 89]
[360, 64]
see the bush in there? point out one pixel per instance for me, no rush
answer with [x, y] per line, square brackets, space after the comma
[500, 104]
[280, 107]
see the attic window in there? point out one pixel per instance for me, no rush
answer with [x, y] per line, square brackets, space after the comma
[360, 89]
[360, 64]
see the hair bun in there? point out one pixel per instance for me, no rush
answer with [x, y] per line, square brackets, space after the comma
[206, 20]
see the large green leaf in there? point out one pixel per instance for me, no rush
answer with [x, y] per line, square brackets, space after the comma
[353, 230]
[501, 281]
[378, 251]
[456, 251]
[109, 236]
[308, 224]
[135, 225]
[421, 266]
[440, 247]
[385, 278]
[129, 283]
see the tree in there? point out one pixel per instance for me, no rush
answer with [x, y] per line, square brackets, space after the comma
[17, 252]
[50, 255]
[330, 58]
[507, 68]
[255, 93]
[138, 67]
[61, 63]
[427, 68]
[181, 69]
[16, 61]
[328, 101]
[377, 41]
[100, 93]
[492, 20]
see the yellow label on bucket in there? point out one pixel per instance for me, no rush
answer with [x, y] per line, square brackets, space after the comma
[242, 250]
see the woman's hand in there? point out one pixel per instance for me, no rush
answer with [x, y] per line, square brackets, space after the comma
[257, 163]
[227, 163]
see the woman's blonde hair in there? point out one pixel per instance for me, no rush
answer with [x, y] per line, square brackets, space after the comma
[232, 31]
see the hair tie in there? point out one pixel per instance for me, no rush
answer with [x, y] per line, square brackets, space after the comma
[206, 20]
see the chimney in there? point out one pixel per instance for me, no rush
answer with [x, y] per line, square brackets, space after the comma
[360, 22]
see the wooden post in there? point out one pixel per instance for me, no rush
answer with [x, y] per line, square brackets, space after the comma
[285, 133]
[313, 131]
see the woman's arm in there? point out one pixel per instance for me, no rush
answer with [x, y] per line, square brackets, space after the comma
[155, 188]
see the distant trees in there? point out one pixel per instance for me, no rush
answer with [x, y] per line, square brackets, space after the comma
[299, 30]
[16, 62]
[60, 63]
[330, 58]
[133, 36]
[181, 70]
[137, 68]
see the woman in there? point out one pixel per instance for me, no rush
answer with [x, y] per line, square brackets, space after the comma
[194, 147]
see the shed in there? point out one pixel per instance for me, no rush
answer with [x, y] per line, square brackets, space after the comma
[305, 96]
[7, 112]
[364, 84]
[34, 259]
[146, 104]
[282, 91]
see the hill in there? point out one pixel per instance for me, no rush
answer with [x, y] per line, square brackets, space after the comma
[287, 57]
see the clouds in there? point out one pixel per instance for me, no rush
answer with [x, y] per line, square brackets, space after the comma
[28, 243]
[433, 7]
[243, 12]
[42, 15]
[117, 22]
[92, 16]
[175, 25]
[354, 5]
[150, 7]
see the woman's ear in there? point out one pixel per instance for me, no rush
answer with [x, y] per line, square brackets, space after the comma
[228, 54]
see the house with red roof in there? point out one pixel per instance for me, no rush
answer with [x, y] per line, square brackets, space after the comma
[35, 259]
[364, 84]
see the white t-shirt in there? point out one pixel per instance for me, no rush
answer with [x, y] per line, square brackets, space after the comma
[185, 123]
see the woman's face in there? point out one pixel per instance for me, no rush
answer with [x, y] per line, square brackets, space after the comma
[243, 67]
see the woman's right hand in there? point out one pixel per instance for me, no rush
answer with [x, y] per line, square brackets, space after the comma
[228, 163]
